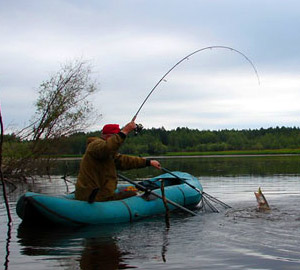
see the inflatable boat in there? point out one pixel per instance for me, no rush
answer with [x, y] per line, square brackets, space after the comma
[35, 208]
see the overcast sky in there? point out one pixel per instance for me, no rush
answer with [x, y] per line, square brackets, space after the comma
[132, 44]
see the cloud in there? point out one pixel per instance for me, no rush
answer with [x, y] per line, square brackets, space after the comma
[131, 45]
[227, 100]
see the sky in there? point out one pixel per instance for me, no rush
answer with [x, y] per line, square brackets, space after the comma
[131, 44]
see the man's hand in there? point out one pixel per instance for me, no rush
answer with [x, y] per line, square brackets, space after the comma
[129, 127]
[155, 164]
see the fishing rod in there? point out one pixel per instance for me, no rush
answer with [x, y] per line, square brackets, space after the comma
[186, 58]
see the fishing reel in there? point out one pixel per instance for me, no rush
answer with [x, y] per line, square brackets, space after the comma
[138, 129]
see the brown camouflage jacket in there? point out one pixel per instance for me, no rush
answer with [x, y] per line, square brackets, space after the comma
[99, 165]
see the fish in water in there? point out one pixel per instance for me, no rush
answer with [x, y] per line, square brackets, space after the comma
[261, 200]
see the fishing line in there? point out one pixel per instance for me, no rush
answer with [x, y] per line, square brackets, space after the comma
[186, 58]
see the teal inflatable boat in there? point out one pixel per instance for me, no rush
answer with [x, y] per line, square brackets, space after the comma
[65, 210]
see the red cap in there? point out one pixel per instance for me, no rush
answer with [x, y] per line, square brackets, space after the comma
[111, 129]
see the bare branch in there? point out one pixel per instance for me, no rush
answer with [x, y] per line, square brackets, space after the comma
[62, 108]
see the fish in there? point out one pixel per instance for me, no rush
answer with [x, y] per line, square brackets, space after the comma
[261, 200]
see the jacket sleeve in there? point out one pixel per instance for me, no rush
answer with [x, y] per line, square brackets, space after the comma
[102, 149]
[124, 162]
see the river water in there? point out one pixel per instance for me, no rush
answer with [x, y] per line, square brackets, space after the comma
[236, 238]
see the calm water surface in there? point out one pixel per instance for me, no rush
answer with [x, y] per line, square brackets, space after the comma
[238, 238]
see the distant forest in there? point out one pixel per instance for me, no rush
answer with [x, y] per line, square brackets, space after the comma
[159, 141]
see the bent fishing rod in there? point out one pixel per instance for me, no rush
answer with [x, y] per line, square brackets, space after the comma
[186, 58]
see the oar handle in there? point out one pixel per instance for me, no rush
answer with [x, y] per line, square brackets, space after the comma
[142, 188]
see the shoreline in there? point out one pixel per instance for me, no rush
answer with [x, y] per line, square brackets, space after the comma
[201, 156]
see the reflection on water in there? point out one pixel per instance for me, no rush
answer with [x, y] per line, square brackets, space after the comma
[7, 247]
[102, 255]
[95, 247]
[92, 247]
[238, 238]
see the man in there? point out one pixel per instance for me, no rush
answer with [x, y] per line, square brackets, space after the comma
[97, 179]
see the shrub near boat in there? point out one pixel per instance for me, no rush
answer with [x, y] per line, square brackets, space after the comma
[35, 208]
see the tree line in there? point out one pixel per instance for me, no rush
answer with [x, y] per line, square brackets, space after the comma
[159, 141]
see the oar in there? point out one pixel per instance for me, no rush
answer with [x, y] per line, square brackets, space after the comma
[181, 179]
[142, 188]
[197, 189]
[214, 209]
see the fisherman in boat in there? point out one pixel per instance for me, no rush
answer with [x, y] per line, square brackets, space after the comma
[97, 178]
